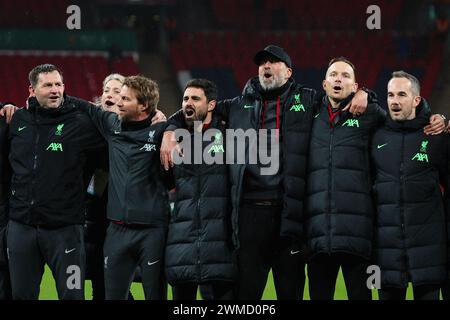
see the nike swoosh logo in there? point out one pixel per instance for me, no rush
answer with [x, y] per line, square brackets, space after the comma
[69, 251]
[152, 263]
[116, 132]
[247, 107]
[21, 128]
[295, 252]
[381, 146]
[317, 115]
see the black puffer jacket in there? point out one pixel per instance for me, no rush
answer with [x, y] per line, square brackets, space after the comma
[245, 112]
[410, 221]
[5, 179]
[447, 206]
[298, 113]
[199, 239]
[339, 214]
[5, 173]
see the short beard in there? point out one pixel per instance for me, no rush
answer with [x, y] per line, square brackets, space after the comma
[402, 117]
[199, 117]
[269, 86]
[126, 118]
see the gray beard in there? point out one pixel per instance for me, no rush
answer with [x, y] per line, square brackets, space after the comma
[269, 86]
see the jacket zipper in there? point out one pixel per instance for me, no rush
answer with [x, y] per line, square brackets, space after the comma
[330, 180]
[238, 197]
[260, 105]
[197, 226]
[35, 158]
[330, 186]
[402, 213]
[126, 217]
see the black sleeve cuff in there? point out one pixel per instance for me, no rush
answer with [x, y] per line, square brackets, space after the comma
[171, 127]
[5, 103]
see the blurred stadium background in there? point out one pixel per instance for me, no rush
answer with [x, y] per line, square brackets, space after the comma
[174, 40]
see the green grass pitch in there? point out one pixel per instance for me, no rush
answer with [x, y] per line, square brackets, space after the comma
[48, 290]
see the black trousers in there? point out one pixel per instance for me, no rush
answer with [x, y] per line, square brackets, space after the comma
[445, 289]
[126, 248]
[96, 225]
[206, 291]
[5, 281]
[218, 290]
[323, 271]
[424, 292]
[94, 269]
[262, 248]
[30, 247]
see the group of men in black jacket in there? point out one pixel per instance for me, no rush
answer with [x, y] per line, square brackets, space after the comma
[319, 207]
[350, 226]
[49, 142]
[231, 224]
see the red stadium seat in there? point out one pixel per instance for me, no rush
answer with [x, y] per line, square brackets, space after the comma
[83, 74]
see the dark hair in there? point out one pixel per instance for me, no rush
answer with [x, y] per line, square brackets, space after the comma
[147, 91]
[43, 68]
[209, 88]
[343, 59]
[415, 84]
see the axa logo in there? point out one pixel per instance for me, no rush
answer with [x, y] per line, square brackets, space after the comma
[351, 123]
[216, 148]
[148, 147]
[297, 106]
[57, 147]
[422, 156]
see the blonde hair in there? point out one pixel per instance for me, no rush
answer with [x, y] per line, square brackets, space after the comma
[113, 76]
